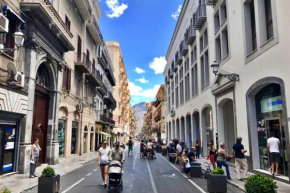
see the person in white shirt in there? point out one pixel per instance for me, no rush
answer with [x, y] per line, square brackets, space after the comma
[150, 149]
[187, 167]
[178, 152]
[273, 145]
[103, 161]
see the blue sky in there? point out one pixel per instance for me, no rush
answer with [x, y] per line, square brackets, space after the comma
[144, 29]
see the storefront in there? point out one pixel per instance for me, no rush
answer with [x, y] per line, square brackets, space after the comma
[61, 137]
[267, 114]
[9, 132]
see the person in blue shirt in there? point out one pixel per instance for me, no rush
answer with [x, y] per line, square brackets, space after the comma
[240, 160]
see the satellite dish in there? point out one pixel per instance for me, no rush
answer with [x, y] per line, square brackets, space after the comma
[11, 68]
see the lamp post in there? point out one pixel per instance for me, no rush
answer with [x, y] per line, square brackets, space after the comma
[231, 76]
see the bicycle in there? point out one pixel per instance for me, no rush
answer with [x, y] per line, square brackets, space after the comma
[207, 170]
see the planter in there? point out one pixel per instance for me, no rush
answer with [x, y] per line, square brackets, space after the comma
[217, 183]
[49, 184]
[164, 152]
[172, 157]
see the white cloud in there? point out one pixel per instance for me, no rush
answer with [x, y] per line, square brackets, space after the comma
[136, 99]
[116, 8]
[158, 65]
[175, 15]
[139, 91]
[139, 70]
[142, 80]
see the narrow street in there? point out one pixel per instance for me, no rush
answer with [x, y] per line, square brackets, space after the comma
[140, 176]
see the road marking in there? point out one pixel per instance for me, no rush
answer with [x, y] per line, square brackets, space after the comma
[95, 170]
[151, 179]
[194, 184]
[73, 185]
[133, 174]
[89, 174]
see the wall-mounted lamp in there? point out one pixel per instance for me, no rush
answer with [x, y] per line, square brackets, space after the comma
[231, 76]
[18, 40]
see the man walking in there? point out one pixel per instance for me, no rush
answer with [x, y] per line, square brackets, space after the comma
[130, 147]
[273, 144]
[240, 160]
[117, 153]
[178, 152]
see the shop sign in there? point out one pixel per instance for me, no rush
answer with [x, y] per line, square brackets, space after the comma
[271, 104]
[3, 122]
[7, 167]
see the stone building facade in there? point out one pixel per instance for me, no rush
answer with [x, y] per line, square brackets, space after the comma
[245, 42]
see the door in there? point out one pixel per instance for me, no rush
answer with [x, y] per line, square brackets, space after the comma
[40, 121]
[7, 148]
[274, 126]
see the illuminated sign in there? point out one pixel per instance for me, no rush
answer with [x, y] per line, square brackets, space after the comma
[271, 104]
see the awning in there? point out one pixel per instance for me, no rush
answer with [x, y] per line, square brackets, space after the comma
[117, 130]
[6, 8]
[103, 133]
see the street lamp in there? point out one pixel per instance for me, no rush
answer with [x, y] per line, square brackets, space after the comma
[231, 76]
[18, 40]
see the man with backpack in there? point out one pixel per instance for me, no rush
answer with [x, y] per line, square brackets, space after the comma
[130, 147]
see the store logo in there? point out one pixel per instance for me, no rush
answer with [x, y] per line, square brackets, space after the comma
[274, 103]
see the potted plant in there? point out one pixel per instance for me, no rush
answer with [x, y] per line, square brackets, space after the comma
[5, 190]
[164, 151]
[260, 183]
[217, 181]
[48, 182]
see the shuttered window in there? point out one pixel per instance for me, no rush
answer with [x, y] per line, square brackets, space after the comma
[66, 81]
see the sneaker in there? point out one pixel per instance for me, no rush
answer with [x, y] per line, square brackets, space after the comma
[103, 183]
[31, 176]
[241, 179]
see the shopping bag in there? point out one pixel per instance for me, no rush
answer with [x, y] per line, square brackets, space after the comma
[32, 161]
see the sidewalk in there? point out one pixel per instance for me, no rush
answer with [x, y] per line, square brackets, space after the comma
[20, 182]
[282, 187]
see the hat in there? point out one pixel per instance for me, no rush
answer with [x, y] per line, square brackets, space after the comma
[117, 143]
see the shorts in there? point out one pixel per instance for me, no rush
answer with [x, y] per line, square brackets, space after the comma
[105, 164]
[211, 158]
[275, 157]
[130, 148]
[142, 150]
[186, 170]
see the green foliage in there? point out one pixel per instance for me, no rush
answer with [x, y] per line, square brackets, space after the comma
[48, 172]
[164, 148]
[260, 183]
[5, 190]
[218, 171]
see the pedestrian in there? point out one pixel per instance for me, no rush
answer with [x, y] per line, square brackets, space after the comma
[178, 152]
[273, 145]
[197, 146]
[142, 149]
[192, 158]
[130, 147]
[175, 144]
[221, 159]
[150, 149]
[169, 146]
[187, 167]
[240, 160]
[103, 161]
[35, 149]
[117, 153]
[211, 155]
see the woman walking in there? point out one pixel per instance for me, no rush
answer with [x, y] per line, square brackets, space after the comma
[212, 152]
[197, 146]
[34, 157]
[222, 155]
[103, 161]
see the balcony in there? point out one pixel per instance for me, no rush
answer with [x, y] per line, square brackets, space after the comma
[110, 101]
[184, 48]
[84, 8]
[158, 116]
[211, 2]
[170, 74]
[107, 120]
[167, 81]
[43, 13]
[95, 32]
[82, 63]
[110, 75]
[94, 77]
[103, 60]
[200, 17]
[157, 102]
[191, 35]
[178, 58]
[102, 89]
[175, 67]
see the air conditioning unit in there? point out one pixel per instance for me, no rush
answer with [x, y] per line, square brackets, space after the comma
[4, 23]
[79, 107]
[20, 78]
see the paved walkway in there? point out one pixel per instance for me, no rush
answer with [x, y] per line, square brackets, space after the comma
[20, 182]
[282, 187]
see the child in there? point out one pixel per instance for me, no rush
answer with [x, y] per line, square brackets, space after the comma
[187, 168]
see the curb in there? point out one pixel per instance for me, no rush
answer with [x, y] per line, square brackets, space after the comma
[237, 186]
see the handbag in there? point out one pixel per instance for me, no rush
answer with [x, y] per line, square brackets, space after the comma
[32, 161]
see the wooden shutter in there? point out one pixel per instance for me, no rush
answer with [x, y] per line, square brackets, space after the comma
[64, 78]
[68, 79]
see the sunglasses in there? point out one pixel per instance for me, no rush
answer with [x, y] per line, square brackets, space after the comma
[104, 143]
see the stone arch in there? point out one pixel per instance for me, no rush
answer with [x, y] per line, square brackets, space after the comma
[253, 133]
[196, 126]
[182, 128]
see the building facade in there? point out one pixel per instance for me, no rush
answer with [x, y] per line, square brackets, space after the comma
[58, 75]
[121, 92]
[247, 93]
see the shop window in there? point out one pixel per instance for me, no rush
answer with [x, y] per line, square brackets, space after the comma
[66, 83]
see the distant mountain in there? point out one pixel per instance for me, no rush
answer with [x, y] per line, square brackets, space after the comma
[140, 110]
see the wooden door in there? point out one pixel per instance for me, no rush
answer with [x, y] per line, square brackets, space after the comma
[40, 122]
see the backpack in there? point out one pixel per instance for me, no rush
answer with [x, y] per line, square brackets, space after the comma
[130, 142]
